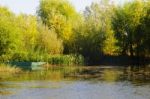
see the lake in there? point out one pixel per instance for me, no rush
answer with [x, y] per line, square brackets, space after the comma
[96, 82]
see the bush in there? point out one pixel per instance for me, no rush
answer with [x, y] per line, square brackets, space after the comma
[9, 69]
[51, 59]
[66, 60]
[20, 56]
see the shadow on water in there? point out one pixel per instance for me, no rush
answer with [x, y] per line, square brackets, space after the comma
[121, 61]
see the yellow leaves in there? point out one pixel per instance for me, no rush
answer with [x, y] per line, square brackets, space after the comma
[53, 44]
[61, 25]
[60, 15]
[28, 30]
[135, 11]
[5, 12]
[48, 41]
[67, 32]
[109, 43]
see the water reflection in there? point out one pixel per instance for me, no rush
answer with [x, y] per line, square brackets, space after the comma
[99, 73]
[127, 82]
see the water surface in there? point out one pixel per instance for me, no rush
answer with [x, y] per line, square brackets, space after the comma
[96, 82]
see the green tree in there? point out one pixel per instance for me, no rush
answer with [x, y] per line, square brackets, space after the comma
[27, 32]
[60, 16]
[9, 37]
[143, 33]
[28, 29]
[95, 36]
[125, 22]
[47, 41]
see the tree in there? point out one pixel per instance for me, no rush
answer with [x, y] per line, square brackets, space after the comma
[125, 22]
[47, 41]
[28, 30]
[9, 38]
[143, 33]
[60, 16]
[95, 36]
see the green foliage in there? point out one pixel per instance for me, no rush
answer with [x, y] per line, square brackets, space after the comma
[66, 60]
[60, 16]
[126, 22]
[48, 42]
[56, 14]
[8, 34]
[143, 33]
[28, 30]
[94, 36]
[58, 31]
[5, 12]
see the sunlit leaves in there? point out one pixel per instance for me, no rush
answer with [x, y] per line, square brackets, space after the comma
[47, 41]
[9, 38]
[28, 30]
[58, 15]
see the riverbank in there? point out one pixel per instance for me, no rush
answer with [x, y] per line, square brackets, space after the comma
[9, 69]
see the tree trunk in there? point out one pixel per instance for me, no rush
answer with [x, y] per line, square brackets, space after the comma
[131, 50]
[124, 51]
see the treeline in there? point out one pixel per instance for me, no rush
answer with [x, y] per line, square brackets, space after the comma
[58, 29]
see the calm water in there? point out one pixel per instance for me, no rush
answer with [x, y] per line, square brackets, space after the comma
[78, 83]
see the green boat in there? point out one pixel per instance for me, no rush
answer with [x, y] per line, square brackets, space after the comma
[28, 65]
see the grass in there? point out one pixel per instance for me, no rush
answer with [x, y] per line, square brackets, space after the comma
[66, 60]
[9, 69]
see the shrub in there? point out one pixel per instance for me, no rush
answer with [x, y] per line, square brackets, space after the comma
[66, 60]
[9, 69]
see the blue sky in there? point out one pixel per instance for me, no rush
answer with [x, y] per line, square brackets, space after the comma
[30, 6]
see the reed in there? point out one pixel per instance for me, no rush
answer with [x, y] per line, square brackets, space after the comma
[9, 69]
[66, 60]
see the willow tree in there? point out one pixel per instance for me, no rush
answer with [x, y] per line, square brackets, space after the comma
[47, 41]
[147, 30]
[10, 40]
[125, 22]
[28, 31]
[60, 16]
[143, 33]
[95, 36]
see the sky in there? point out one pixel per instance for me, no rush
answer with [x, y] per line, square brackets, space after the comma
[30, 6]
